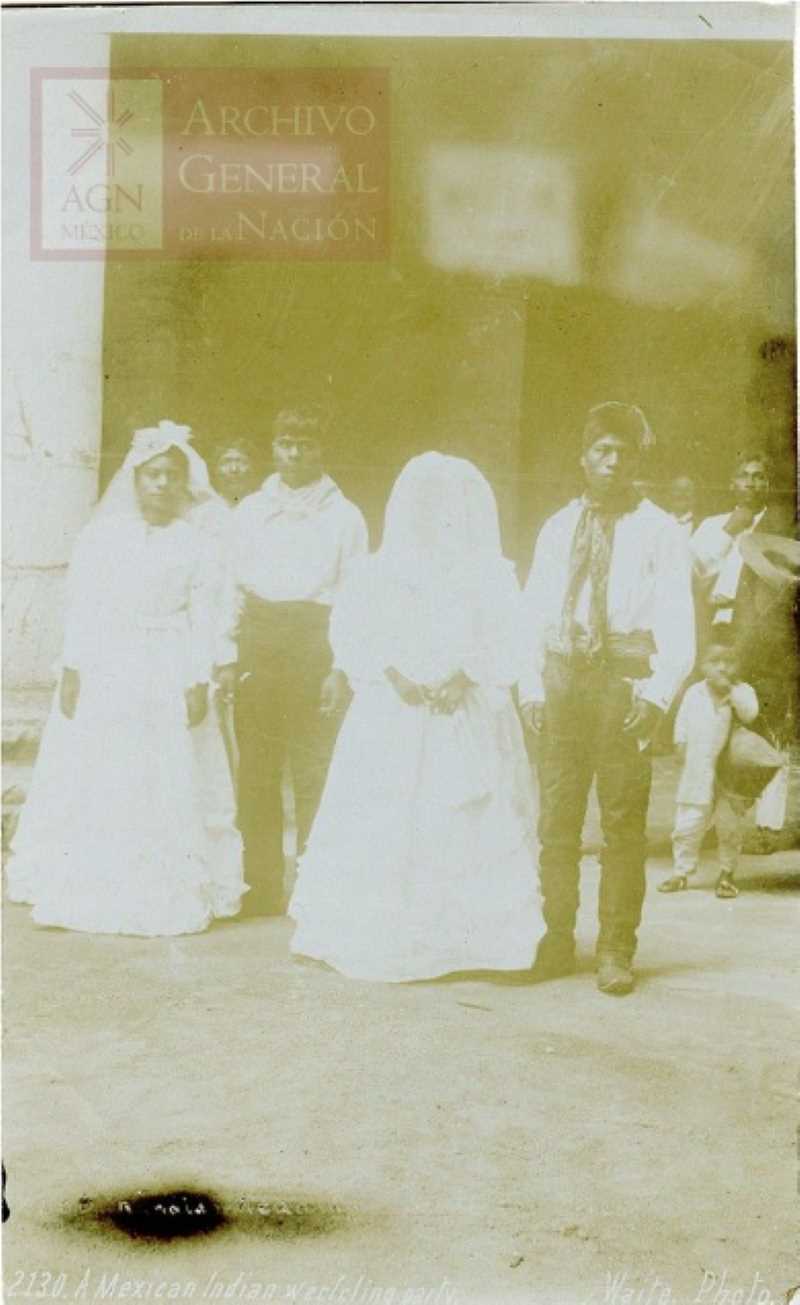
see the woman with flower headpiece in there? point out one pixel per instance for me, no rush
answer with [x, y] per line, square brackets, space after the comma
[421, 860]
[113, 837]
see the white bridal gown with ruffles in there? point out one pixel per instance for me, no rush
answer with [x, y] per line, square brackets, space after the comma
[118, 834]
[422, 858]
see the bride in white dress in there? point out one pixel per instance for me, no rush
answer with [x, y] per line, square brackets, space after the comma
[422, 858]
[116, 835]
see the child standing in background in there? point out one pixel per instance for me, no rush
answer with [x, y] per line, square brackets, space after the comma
[702, 729]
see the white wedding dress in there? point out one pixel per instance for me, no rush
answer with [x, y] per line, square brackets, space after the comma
[422, 858]
[128, 826]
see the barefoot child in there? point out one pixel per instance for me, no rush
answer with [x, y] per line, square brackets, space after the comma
[702, 728]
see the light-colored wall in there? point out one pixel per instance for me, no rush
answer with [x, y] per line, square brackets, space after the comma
[52, 389]
[54, 311]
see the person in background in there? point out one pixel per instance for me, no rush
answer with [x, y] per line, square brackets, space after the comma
[233, 466]
[292, 544]
[611, 639]
[702, 729]
[234, 470]
[766, 640]
[716, 557]
[681, 502]
[767, 633]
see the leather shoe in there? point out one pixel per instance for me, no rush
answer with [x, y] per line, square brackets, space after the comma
[614, 975]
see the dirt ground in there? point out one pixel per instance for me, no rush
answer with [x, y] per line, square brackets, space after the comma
[486, 1141]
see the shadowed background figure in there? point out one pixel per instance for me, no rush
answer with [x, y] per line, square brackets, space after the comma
[755, 604]
[235, 471]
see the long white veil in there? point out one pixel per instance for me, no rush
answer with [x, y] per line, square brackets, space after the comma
[441, 518]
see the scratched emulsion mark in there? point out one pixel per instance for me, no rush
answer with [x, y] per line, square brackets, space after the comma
[164, 1216]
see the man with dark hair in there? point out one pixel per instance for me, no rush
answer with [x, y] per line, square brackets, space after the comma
[234, 470]
[680, 502]
[611, 627]
[292, 544]
[715, 548]
[761, 623]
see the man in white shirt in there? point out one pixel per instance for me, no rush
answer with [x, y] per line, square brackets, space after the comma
[681, 499]
[765, 635]
[611, 628]
[715, 543]
[291, 546]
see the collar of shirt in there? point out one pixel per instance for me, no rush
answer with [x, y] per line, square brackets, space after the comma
[757, 519]
[306, 501]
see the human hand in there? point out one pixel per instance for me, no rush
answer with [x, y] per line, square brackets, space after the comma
[333, 697]
[226, 678]
[533, 716]
[642, 720]
[741, 518]
[196, 704]
[411, 693]
[446, 698]
[69, 691]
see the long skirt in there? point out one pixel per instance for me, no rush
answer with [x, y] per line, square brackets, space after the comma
[128, 825]
[422, 858]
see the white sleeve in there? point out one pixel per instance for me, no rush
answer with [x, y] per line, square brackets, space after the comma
[538, 600]
[673, 622]
[710, 545]
[744, 702]
[237, 544]
[680, 733]
[228, 615]
[355, 630]
[355, 544]
[226, 647]
[204, 612]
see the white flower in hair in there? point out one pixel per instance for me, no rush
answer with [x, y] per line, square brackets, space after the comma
[172, 431]
[148, 443]
[152, 440]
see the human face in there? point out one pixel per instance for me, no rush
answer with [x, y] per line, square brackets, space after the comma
[298, 456]
[719, 669]
[160, 484]
[609, 465]
[234, 474]
[681, 495]
[751, 485]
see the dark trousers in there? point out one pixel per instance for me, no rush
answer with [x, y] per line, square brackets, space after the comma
[284, 657]
[585, 706]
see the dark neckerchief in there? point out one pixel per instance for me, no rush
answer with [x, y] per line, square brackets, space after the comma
[590, 559]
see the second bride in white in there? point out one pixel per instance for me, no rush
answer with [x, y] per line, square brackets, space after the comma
[421, 861]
